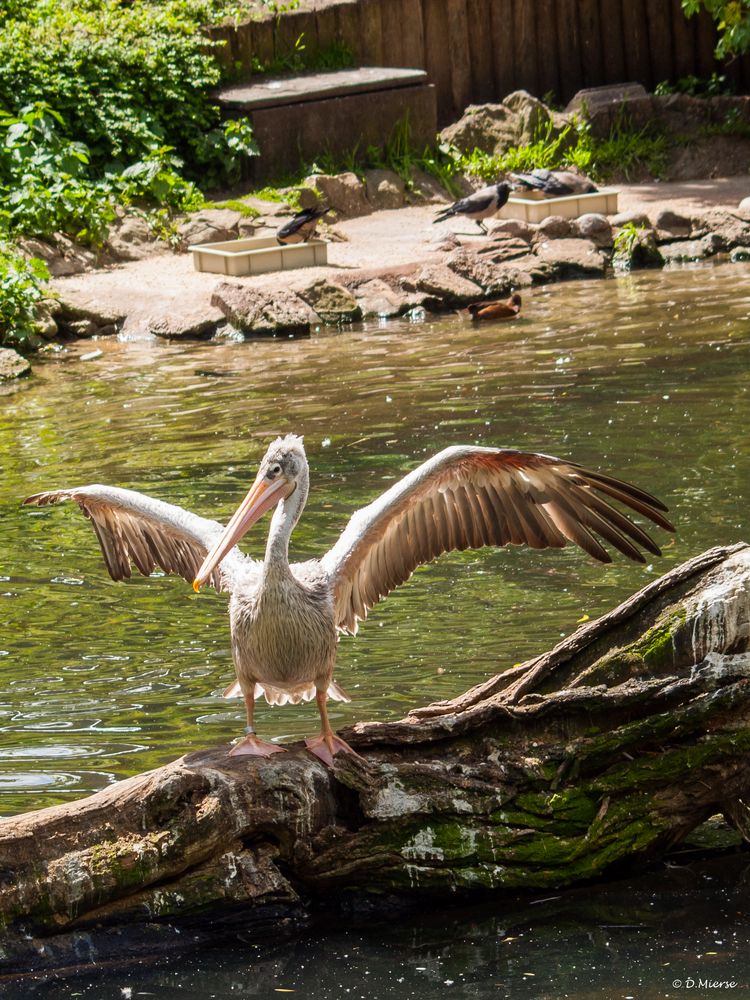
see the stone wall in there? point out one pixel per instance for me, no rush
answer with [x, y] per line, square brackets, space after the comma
[479, 50]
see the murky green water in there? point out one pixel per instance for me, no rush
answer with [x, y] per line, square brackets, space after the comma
[645, 376]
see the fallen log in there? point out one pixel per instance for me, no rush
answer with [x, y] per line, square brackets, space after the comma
[613, 746]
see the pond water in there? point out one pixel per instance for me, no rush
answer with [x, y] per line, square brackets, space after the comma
[645, 376]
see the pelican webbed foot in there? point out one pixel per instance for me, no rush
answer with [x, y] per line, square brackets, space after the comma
[327, 745]
[251, 746]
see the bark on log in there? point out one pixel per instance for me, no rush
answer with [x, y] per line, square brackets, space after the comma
[612, 746]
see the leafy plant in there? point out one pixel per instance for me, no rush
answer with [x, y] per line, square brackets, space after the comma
[22, 284]
[627, 240]
[696, 86]
[732, 18]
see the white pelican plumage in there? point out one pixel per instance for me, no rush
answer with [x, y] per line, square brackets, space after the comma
[285, 617]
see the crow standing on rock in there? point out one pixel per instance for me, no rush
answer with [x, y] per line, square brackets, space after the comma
[480, 205]
[555, 183]
[301, 227]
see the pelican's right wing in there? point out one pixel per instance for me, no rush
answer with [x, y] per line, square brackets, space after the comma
[135, 528]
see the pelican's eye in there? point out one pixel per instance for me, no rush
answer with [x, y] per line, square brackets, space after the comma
[274, 470]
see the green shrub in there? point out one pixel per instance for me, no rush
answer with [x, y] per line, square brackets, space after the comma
[22, 284]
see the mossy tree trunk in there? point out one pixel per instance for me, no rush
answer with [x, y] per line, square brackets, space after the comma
[612, 746]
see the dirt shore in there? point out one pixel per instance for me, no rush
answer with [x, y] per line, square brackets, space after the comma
[165, 292]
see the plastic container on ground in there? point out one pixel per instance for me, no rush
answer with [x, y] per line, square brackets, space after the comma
[257, 256]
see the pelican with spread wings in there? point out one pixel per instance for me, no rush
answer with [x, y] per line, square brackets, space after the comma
[285, 617]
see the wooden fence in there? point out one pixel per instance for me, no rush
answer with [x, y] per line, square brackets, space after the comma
[481, 50]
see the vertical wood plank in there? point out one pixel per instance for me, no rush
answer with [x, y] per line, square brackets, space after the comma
[635, 29]
[502, 47]
[371, 32]
[524, 39]
[660, 40]
[413, 30]
[263, 40]
[393, 34]
[347, 29]
[569, 46]
[480, 51]
[437, 46]
[613, 40]
[325, 28]
[592, 54]
[705, 42]
[547, 55]
[458, 54]
[683, 41]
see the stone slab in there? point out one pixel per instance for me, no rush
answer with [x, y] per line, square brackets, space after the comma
[279, 91]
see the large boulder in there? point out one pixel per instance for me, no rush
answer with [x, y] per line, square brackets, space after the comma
[255, 311]
[375, 297]
[731, 229]
[678, 251]
[385, 189]
[12, 364]
[131, 238]
[572, 257]
[445, 288]
[344, 193]
[331, 302]
[485, 263]
[533, 117]
[193, 324]
[670, 225]
[62, 255]
[595, 227]
[210, 225]
[492, 128]
[554, 227]
[425, 188]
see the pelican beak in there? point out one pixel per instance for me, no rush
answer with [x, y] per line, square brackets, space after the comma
[261, 497]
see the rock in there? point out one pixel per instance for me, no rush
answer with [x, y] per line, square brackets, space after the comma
[485, 263]
[594, 227]
[514, 227]
[331, 302]
[132, 239]
[492, 128]
[274, 208]
[255, 311]
[12, 364]
[685, 250]
[636, 250]
[344, 193]
[533, 116]
[248, 227]
[744, 205]
[731, 230]
[446, 287]
[80, 327]
[530, 270]
[69, 310]
[595, 97]
[425, 188]
[303, 195]
[630, 218]
[376, 298]
[195, 325]
[554, 227]
[572, 257]
[210, 225]
[62, 256]
[385, 189]
[670, 225]
[44, 318]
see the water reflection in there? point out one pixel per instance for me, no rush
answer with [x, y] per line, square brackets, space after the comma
[623, 940]
[645, 376]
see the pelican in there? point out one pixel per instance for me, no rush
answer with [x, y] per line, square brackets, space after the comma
[285, 617]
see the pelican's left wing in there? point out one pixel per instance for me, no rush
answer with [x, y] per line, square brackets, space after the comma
[135, 528]
[467, 497]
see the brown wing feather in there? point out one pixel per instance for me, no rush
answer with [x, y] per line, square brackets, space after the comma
[135, 528]
[469, 497]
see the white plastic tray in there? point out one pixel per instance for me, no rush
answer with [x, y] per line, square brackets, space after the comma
[257, 256]
[534, 207]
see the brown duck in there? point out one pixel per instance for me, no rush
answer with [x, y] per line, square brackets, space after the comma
[499, 309]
